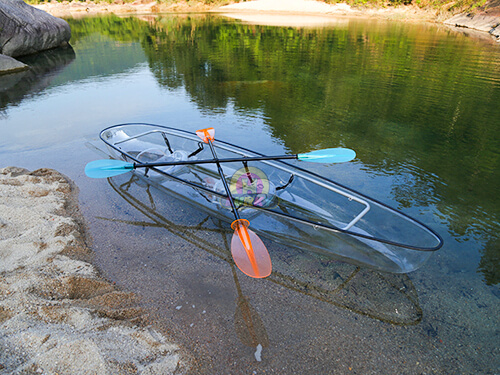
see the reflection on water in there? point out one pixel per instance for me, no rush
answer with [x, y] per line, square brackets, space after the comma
[391, 298]
[44, 67]
[417, 108]
[420, 106]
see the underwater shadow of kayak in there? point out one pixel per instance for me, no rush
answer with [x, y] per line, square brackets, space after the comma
[390, 298]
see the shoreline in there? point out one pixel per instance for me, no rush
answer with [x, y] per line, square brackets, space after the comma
[57, 313]
[486, 23]
[90, 8]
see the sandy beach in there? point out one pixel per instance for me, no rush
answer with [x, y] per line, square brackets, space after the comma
[263, 7]
[57, 314]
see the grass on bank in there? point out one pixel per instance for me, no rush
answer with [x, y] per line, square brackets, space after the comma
[454, 6]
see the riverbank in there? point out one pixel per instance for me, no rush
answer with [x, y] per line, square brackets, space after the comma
[79, 9]
[57, 314]
[486, 20]
[89, 7]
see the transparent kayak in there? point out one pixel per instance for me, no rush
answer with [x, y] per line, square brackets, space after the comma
[283, 202]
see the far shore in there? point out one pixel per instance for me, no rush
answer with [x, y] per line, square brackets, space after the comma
[483, 25]
[89, 8]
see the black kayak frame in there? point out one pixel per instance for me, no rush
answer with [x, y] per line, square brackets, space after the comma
[284, 215]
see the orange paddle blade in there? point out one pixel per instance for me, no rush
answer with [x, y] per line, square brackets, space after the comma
[249, 252]
[206, 134]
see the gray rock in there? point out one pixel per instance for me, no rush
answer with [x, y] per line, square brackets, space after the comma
[25, 30]
[481, 22]
[496, 32]
[10, 65]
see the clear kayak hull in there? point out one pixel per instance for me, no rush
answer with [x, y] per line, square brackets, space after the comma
[283, 202]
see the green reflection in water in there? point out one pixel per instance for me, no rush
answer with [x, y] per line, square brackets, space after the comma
[418, 103]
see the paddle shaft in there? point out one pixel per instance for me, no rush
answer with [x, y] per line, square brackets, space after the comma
[215, 160]
[240, 230]
[223, 179]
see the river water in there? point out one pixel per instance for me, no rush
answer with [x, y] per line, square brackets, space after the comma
[419, 103]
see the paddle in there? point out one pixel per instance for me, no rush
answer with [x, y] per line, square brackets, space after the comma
[110, 167]
[249, 252]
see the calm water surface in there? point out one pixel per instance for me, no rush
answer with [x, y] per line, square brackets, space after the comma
[419, 103]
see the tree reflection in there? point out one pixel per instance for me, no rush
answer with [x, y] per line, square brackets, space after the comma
[44, 67]
[421, 104]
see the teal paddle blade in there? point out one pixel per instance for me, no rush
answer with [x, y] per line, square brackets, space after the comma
[328, 155]
[107, 168]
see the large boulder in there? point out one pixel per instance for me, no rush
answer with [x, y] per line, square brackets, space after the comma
[25, 30]
[481, 22]
[485, 18]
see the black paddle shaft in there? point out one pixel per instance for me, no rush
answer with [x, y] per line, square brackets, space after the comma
[215, 160]
[224, 182]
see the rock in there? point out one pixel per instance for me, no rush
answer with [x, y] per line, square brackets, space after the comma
[474, 21]
[481, 22]
[26, 30]
[10, 65]
[496, 32]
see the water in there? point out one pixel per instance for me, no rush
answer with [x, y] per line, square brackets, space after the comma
[419, 104]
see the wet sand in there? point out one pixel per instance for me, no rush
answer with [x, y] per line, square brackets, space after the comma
[313, 315]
